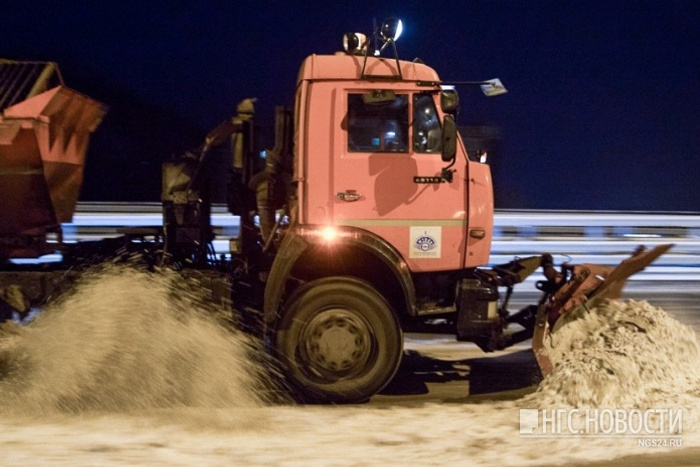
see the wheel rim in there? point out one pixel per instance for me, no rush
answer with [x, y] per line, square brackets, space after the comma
[337, 341]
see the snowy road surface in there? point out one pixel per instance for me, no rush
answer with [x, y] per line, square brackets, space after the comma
[124, 373]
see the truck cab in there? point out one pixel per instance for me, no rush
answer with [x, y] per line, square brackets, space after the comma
[389, 219]
[375, 142]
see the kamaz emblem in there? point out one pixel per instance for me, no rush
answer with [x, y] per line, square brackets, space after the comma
[425, 243]
[419, 179]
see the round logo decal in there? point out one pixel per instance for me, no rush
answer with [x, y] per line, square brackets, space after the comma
[425, 243]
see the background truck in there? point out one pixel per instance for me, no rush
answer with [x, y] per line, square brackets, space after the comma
[367, 218]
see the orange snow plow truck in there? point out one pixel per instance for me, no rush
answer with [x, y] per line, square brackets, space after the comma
[368, 218]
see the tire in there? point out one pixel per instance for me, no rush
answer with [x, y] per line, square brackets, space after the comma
[338, 341]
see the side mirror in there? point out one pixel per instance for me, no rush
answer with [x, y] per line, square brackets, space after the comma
[449, 101]
[449, 139]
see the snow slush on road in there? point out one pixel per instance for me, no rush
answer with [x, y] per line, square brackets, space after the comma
[126, 340]
[129, 370]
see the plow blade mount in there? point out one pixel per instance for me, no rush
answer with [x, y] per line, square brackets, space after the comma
[588, 285]
[44, 134]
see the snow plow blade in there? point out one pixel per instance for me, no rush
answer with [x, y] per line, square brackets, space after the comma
[585, 287]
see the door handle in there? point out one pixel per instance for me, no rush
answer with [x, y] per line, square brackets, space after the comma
[348, 195]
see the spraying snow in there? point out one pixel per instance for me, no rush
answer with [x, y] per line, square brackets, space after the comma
[127, 340]
[130, 370]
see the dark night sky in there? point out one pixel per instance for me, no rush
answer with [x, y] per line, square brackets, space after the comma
[602, 110]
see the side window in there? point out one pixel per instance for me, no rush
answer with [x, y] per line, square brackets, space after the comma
[427, 134]
[377, 126]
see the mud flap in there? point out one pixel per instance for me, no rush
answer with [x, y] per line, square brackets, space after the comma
[554, 314]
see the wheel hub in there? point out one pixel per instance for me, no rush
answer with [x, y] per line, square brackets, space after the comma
[339, 341]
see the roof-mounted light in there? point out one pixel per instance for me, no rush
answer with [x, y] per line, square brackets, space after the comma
[355, 43]
[391, 29]
[382, 37]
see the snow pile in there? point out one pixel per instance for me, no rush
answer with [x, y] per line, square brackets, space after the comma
[126, 340]
[622, 355]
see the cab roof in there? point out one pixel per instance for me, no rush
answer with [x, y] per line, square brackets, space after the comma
[349, 67]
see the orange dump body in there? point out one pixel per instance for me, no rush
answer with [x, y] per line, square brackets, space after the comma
[43, 141]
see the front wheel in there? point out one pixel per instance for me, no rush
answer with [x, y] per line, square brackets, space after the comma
[338, 341]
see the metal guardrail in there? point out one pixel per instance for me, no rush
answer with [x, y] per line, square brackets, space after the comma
[601, 237]
[576, 237]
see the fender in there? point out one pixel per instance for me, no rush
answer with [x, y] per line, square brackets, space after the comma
[299, 239]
